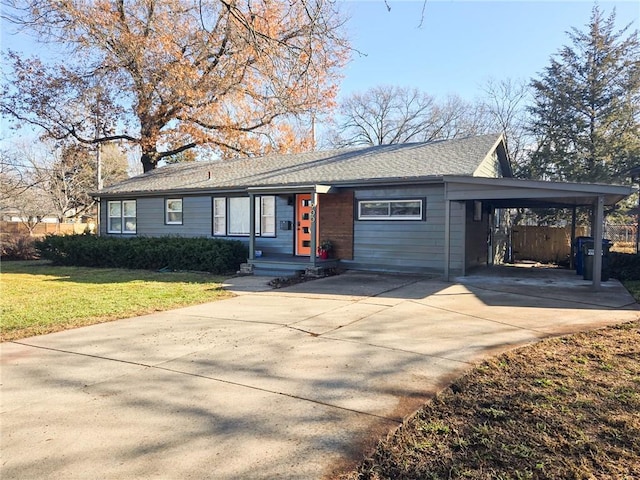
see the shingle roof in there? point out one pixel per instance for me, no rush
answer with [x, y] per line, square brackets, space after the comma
[400, 161]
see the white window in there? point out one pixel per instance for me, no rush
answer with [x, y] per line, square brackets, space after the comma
[220, 216]
[391, 209]
[121, 216]
[267, 216]
[173, 211]
[238, 215]
[231, 216]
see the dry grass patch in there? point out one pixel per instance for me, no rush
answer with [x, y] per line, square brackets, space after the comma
[565, 408]
[39, 298]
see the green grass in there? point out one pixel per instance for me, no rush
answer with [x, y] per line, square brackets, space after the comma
[38, 298]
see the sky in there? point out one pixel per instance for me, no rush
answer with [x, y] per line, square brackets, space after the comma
[462, 44]
[453, 46]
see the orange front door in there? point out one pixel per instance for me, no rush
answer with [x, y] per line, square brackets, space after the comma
[303, 224]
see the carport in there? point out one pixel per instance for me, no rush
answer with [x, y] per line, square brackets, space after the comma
[517, 193]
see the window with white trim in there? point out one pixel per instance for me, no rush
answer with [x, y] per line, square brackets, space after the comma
[411, 209]
[220, 216]
[121, 216]
[173, 211]
[267, 216]
[231, 216]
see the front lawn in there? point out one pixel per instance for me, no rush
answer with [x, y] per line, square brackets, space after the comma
[38, 298]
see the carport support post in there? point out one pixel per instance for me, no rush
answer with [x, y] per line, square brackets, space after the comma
[598, 220]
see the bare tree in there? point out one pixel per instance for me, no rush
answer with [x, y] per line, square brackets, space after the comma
[170, 75]
[58, 180]
[506, 101]
[22, 195]
[31, 206]
[12, 180]
[389, 114]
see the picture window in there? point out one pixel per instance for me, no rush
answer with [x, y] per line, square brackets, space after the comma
[412, 209]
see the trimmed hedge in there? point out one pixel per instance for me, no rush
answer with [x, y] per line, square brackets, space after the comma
[624, 266]
[146, 253]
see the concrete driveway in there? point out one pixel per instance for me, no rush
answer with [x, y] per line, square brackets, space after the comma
[291, 383]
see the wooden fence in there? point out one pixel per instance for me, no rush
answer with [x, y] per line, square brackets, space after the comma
[543, 244]
[17, 228]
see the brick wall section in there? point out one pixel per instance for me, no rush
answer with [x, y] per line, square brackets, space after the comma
[336, 223]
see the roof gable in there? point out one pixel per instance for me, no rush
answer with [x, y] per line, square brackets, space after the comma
[411, 161]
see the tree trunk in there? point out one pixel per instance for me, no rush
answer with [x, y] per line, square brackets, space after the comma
[148, 162]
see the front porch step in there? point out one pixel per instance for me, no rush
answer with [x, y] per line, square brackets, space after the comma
[266, 272]
[284, 267]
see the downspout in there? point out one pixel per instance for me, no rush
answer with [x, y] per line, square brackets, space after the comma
[463, 237]
[98, 216]
[252, 227]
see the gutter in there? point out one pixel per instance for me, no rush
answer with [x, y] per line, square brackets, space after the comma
[323, 187]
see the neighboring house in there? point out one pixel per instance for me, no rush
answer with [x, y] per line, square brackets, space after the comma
[16, 216]
[420, 207]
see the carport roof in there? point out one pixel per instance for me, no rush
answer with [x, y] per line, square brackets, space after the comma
[517, 193]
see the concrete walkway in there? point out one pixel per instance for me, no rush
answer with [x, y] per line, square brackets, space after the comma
[291, 383]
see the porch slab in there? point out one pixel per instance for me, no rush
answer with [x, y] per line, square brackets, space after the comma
[547, 283]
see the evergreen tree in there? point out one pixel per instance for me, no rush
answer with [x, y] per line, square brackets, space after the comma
[586, 107]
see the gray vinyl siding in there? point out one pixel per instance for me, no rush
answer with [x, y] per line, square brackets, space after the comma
[196, 217]
[490, 167]
[457, 254]
[476, 233]
[197, 221]
[282, 243]
[412, 246]
[150, 217]
[383, 245]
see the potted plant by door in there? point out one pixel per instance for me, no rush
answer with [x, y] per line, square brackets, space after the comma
[325, 248]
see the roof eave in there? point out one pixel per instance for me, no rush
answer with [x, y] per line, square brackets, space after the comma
[503, 192]
[321, 187]
[166, 192]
